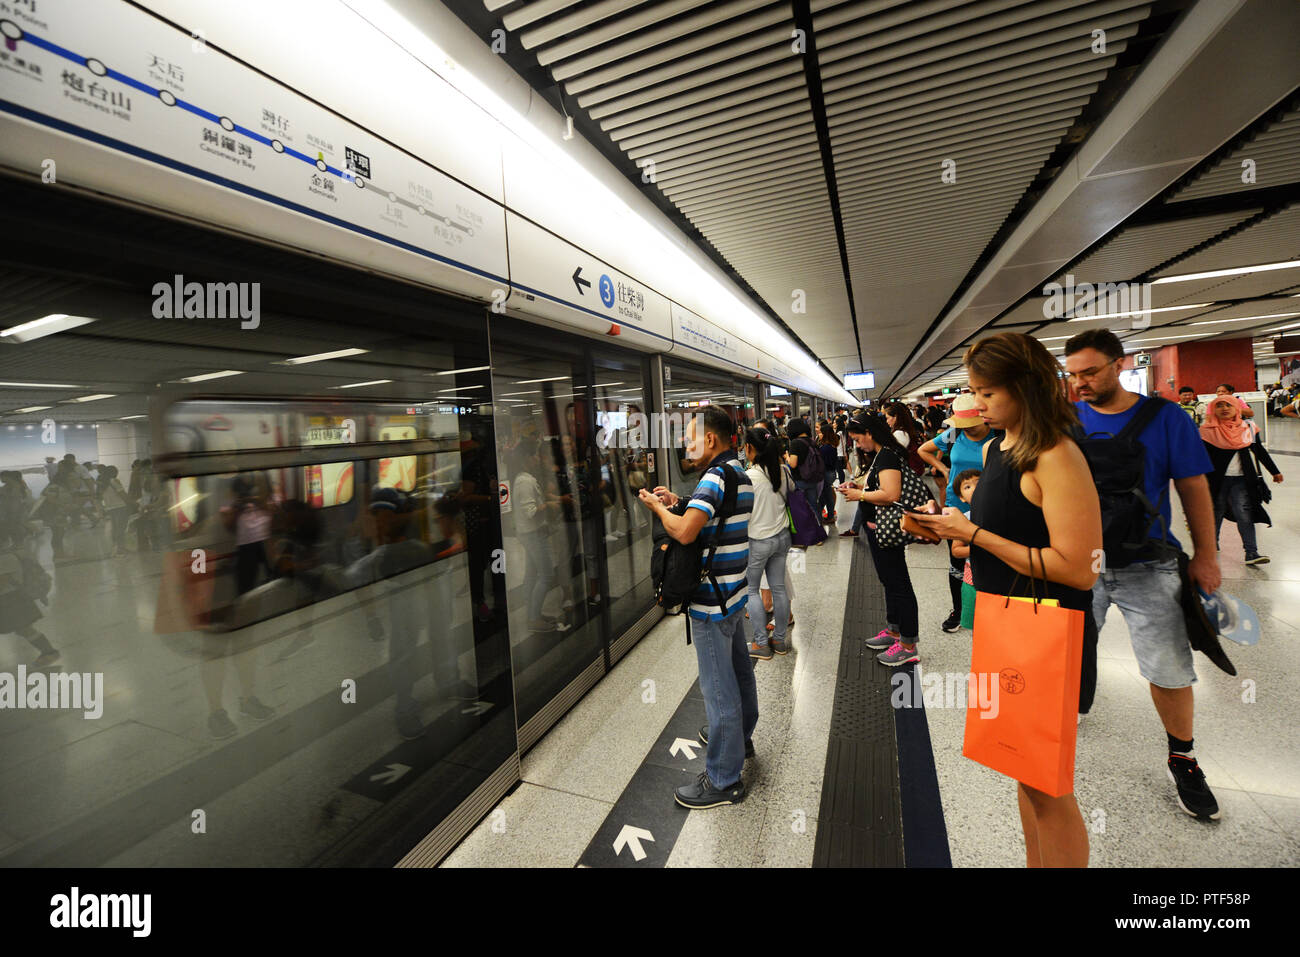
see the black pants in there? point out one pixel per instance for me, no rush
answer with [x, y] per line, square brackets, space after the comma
[900, 599]
[956, 569]
[1088, 673]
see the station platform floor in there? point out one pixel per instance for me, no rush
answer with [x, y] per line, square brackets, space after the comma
[597, 790]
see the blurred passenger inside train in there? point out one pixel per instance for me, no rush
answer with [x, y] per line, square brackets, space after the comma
[534, 511]
[16, 503]
[116, 505]
[23, 583]
[478, 498]
[55, 507]
[248, 515]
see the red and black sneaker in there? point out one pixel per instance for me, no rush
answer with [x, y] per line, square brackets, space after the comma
[1194, 795]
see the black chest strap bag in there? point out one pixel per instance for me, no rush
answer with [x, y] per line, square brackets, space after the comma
[676, 570]
[1118, 464]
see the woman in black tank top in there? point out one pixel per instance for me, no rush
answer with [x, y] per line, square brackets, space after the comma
[1017, 388]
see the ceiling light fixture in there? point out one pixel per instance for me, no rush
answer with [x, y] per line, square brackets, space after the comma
[358, 385]
[45, 326]
[322, 356]
[209, 375]
[456, 371]
[1237, 271]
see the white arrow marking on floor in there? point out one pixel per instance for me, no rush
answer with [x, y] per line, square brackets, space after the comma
[478, 707]
[684, 746]
[631, 837]
[390, 776]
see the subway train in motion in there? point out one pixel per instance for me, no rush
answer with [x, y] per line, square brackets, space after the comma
[319, 505]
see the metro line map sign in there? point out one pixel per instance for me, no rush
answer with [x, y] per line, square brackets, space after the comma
[113, 74]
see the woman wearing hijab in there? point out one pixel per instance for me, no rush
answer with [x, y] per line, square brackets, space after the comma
[1236, 452]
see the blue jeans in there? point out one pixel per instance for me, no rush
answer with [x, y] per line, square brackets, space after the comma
[541, 570]
[768, 554]
[859, 517]
[730, 693]
[1233, 497]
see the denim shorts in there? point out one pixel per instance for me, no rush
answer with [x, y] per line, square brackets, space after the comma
[1147, 594]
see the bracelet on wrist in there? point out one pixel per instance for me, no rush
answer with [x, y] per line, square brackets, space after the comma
[978, 529]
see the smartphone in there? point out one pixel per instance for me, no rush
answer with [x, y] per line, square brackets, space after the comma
[917, 511]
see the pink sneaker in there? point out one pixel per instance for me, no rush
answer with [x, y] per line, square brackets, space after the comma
[882, 640]
[898, 655]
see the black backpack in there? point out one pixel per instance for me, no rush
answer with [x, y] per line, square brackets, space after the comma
[676, 569]
[1118, 464]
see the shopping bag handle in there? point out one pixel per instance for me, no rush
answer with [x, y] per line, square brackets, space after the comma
[1033, 583]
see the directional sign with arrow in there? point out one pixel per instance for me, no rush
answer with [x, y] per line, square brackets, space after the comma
[580, 282]
[392, 775]
[631, 838]
[685, 746]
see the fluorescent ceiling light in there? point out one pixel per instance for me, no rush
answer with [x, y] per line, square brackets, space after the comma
[357, 385]
[126, 418]
[1140, 312]
[455, 371]
[31, 408]
[209, 375]
[554, 378]
[92, 398]
[1193, 335]
[1274, 315]
[463, 388]
[525, 392]
[322, 356]
[606, 385]
[39, 385]
[1238, 271]
[45, 326]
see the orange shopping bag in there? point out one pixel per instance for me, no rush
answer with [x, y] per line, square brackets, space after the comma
[1034, 651]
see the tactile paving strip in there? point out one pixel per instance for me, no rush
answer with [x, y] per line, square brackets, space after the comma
[860, 821]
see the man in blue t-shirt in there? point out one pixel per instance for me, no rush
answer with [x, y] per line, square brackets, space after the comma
[964, 441]
[718, 632]
[1147, 591]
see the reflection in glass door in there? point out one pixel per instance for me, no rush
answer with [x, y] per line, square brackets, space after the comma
[624, 444]
[551, 502]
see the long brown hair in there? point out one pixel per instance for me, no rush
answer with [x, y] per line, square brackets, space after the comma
[903, 421]
[1023, 366]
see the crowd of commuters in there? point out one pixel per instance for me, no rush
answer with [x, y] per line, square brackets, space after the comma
[1019, 502]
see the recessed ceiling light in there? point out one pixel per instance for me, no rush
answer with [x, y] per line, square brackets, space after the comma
[128, 417]
[554, 378]
[45, 326]
[456, 371]
[39, 385]
[1214, 322]
[92, 398]
[358, 385]
[446, 390]
[1237, 271]
[208, 375]
[322, 356]
[1140, 312]
[31, 408]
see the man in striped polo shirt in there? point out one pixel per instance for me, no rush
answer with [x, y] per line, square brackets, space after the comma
[717, 627]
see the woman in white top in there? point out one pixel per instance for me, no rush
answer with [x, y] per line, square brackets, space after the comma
[532, 514]
[769, 538]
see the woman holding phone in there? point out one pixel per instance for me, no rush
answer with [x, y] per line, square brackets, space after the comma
[883, 486]
[1035, 501]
